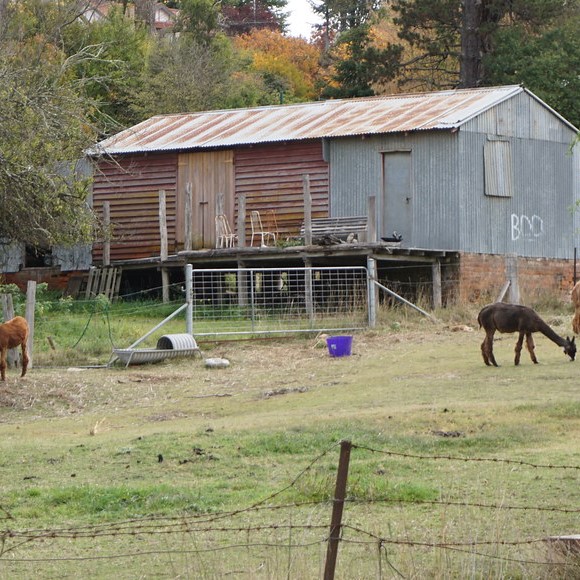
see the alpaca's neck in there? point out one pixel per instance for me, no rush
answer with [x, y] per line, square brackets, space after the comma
[548, 332]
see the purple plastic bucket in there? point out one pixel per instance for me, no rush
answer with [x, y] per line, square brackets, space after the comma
[339, 345]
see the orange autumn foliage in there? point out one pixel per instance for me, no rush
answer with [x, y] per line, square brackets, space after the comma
[293, 59]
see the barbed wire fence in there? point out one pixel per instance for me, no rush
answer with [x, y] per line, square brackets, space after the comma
[334, 536]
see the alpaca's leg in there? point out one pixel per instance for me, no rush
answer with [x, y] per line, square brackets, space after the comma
[519, 348]
[489, 348]
[531, 346]
[3, 363]
[576, 321]
[484, 351]
[25, 359]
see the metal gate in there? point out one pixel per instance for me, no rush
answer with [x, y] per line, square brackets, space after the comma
[267, 301]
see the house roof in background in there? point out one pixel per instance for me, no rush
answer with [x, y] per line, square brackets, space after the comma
[442, 110]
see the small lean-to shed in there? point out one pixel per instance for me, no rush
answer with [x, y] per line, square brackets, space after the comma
[481, 171]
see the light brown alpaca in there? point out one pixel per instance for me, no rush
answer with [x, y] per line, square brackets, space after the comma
[576, 302]
[12, 334]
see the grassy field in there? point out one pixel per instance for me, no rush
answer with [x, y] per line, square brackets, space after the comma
[176, 470]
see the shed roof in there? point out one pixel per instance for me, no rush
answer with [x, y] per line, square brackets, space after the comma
[443, 110]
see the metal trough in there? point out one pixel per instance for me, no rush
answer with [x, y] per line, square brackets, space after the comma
[168, 346]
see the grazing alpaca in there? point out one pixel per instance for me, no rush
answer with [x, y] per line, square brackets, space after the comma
[514, 318]
[576, 302]
[12, 334]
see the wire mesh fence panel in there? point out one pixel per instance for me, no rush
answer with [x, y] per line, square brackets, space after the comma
[279, 300]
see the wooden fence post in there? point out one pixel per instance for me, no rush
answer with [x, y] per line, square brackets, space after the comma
[308, 293]
[336, 521]
[30, 305]
[372, 291]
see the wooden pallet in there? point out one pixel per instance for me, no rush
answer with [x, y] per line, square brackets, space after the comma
[104, 281]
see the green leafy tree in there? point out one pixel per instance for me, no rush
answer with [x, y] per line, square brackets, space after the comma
[45, 124]
[354, 62]
[452, 41]
[339, 16]
[343, 15]
[200, 19]
[113, 78]
[187, 76]
[548, 64]
[363, 64]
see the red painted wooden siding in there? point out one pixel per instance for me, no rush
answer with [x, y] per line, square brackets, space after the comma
[131, 184]
[270, 176]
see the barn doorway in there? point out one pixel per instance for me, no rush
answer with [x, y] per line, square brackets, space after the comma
[210, 175]
[397, 195]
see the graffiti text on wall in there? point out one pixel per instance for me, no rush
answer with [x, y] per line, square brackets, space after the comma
[526, 228]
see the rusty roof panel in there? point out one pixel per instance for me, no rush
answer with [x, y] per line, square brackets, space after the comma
[335, 118]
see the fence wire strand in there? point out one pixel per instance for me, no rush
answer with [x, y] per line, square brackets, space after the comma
[262, 535]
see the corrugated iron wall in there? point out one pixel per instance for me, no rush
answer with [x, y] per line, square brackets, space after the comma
[357, 173]
[521, 117]
[271, 178]
[536, 219]
[450, 207]
[131, 184]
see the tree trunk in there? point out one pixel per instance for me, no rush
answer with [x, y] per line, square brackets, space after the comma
[145, 12]
[471, 71]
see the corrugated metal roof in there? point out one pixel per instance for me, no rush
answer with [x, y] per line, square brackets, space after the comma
[334, 118]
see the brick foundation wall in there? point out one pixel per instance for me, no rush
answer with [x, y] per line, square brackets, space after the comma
[482, 277]
[55, 279]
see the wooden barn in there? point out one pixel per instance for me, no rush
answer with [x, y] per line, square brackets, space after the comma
[465, 177]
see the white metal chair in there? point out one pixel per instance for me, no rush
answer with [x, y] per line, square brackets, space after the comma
[258, 230]
[225, 238]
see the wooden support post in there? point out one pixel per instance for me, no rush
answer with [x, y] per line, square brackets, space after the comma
[436, 275]
[163, 245]
[241, 221]
[336, 520]
[187, 234]
[371, 219]
[107, 230]
[165, 285]
[511, 269]
[242, 284]
[307, 210]
[30, 306]
[219, 210]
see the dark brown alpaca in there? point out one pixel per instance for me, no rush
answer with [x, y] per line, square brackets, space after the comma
[514, 318]
[12, 334]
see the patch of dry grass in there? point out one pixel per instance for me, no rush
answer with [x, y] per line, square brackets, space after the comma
[230, 437]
